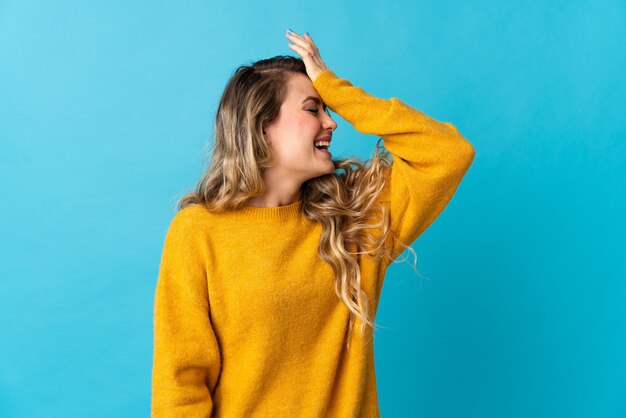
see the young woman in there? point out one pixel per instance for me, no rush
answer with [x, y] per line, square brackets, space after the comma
[280, 249]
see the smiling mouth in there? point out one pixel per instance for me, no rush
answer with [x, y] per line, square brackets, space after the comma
[324, 150]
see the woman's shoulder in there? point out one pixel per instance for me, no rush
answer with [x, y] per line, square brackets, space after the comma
[193, 211]
[192, 218]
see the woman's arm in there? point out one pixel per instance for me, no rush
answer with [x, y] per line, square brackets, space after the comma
[429, 157]
[186, 353]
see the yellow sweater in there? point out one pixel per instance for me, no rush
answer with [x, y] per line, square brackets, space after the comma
[246, 319]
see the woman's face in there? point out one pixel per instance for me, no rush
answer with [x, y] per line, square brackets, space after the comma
[300, 122]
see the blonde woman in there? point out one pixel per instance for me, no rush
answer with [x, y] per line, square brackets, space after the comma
[272, 269]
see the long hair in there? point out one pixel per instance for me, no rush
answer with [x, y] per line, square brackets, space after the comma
[344, 201]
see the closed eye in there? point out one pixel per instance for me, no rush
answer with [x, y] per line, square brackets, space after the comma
[317, 111]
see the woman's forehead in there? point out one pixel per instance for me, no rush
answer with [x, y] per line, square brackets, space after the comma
[300, 90]
[301, 85]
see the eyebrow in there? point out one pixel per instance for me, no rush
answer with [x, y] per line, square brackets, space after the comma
[316, 100]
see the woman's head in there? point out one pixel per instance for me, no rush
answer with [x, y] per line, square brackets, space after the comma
[302, 120]
[263, 122]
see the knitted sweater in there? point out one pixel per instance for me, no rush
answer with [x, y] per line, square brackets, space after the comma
[246, 319]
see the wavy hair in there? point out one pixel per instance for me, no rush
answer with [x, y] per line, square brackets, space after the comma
[344, 201]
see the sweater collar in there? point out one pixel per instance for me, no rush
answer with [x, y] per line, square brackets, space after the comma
[280, 213]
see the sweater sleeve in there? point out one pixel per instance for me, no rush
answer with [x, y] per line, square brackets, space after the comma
[186, 361]
[429, 157]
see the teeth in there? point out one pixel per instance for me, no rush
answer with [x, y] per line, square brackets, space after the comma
[322, 143]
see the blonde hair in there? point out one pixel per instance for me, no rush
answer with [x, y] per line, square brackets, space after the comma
[343, 201]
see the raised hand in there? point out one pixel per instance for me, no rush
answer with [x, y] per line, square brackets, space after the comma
[305, 47]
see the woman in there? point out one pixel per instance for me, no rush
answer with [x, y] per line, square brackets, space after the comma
[281, 249]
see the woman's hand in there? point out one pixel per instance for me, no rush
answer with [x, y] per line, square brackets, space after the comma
[306, 48]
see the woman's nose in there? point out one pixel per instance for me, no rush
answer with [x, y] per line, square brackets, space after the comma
[329, 123]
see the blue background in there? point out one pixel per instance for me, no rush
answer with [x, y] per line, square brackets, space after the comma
[106, 109]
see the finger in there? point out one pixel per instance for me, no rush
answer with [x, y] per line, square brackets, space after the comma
[311, 42]
[298, 39]
[308, 38]
[305, 40]
[296, 48]
[300, 50]
[294, 34]
[304, 50]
